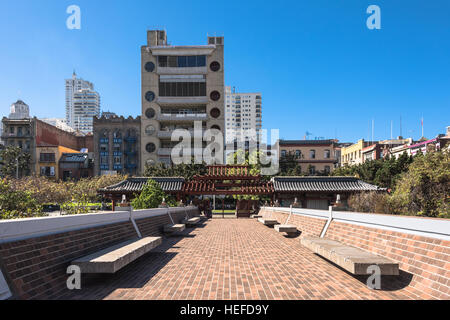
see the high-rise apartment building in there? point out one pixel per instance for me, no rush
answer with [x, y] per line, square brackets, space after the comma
[59, 123]
[86, 106]
[180, 85]
[73, 86]
[242, 112]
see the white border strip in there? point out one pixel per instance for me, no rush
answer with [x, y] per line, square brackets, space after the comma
[21, 229]
[5, 293]
[426, 227]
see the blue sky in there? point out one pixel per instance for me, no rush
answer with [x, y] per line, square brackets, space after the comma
[318, 66]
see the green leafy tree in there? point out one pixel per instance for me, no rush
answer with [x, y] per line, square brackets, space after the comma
[13, 157]
[383, 172]
[187, 171]
[17, 204]
[151, 196]
[425, 188]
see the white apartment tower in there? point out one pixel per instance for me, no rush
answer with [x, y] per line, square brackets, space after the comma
[86, 106]
[73, 86]
[182, 86]
[242, 112]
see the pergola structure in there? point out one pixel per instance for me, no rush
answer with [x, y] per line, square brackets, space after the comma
[228, 180]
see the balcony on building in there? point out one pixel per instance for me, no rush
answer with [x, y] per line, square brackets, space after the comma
[185, 101]
[183, 117]
[130, 166]
[167, 134]
[168, 151]
[131, 139]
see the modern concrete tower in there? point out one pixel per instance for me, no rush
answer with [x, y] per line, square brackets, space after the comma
[180, 85]
[74, 85]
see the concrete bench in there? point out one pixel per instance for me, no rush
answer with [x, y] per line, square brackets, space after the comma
[192, 222]
[287, 228]
[173, 228]
[268, 222]
[354, 260]
[112, 259]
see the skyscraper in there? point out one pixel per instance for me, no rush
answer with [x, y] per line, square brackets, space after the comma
[86, 106]
[73, 86]
[181, 85]
[242, 112]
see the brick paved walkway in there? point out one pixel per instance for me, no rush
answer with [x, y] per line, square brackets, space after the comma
[235, 259]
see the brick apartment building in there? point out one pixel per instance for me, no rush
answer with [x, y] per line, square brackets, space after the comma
[314, 156]
[45, 143]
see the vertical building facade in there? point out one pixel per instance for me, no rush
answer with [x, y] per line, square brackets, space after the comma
[37, 137]
[86, 106]
[181, 85]
[313, 156]
[242, 112]
[73, 86]
[116, 145]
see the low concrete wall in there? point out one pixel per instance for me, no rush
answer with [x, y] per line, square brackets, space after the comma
[421, 246]
[35, 253]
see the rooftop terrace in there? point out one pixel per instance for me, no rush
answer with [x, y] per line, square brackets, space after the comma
[224, 260]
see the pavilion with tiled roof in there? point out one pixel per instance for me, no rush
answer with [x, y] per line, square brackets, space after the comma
[318, 191]
[310, 192]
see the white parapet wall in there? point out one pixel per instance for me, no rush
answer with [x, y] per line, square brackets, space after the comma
[421, 226]
[20, 229]
[5, 293]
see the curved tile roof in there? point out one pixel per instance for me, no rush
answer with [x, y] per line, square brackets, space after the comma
[168, 184]
[322, 184]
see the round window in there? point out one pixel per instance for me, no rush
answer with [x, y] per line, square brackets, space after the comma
[150, 96]
[150, 113]
[214, 66]
[150, 130]
[150, 147]
[215, 113]
[215, 95]
[149, 66]
[215, 127]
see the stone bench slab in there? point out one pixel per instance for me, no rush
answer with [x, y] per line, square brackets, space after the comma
[112, 259]
[354, 260]
[286, 228]
[268, 222]
[191, 221]
[172, 228]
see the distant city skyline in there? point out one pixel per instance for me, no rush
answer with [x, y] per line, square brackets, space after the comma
[317, 65]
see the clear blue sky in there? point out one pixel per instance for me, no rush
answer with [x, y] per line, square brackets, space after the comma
[317, 65]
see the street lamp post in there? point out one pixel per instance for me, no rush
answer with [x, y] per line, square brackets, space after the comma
[17, 168]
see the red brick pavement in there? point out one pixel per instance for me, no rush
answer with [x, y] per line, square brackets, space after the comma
[235, 259]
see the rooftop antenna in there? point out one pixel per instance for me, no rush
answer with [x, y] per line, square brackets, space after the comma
[373, 124]
[401, 134]
[421, 122]
[391, 129]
